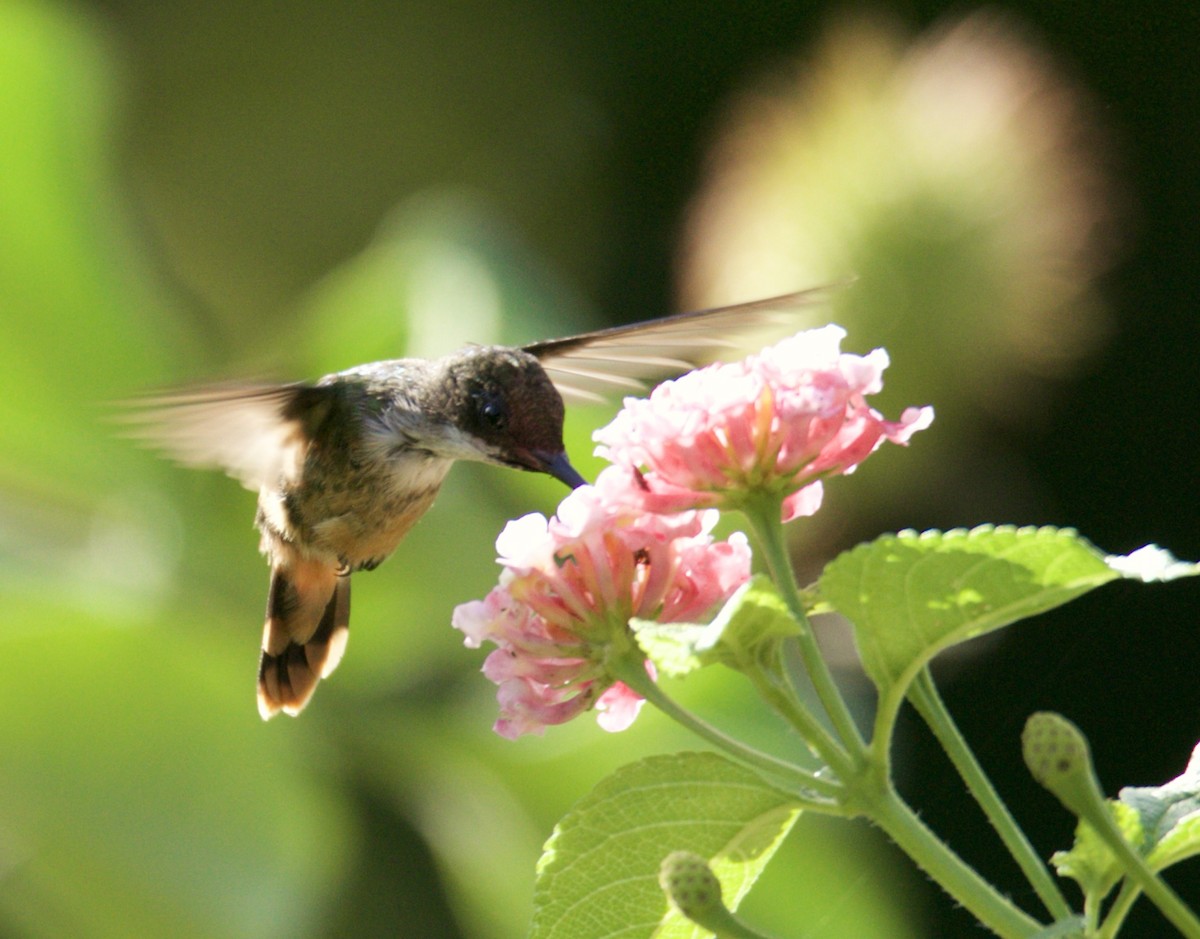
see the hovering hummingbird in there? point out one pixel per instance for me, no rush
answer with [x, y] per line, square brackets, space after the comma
[345, 466]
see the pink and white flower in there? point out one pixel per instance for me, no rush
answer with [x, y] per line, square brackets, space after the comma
[780, 421]
[569, 587]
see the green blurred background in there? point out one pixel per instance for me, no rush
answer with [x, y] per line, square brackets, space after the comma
[196, 190]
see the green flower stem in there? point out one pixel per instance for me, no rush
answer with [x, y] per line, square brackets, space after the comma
[1120, 908]
[878, 801]
[954, 876]
[724, 925]
[1139, 872]
[764, 515]
[929, 704]
[632, 671]
[786, 703]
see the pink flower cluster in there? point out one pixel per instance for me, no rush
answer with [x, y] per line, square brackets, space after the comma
[635, 546]
[569, 587]
[779, 421]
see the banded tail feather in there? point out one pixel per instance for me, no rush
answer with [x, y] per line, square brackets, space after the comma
[298, 648]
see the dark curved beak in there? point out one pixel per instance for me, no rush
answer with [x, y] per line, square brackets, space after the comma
[558, 466]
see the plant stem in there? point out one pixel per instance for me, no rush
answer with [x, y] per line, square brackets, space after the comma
[1120, 908]
[764, 517]
[924, 696]
[953, 875]
[878, 801]
[724, 925]
[633, 673]
[788, 706]
[1139, 872]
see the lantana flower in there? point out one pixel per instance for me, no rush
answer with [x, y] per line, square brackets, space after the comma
[569, 588]
[778, 422]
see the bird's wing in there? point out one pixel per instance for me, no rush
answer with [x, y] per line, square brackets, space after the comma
[627, 359]
[254, 432]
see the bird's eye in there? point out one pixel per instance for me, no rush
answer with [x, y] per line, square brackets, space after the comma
[492, 410]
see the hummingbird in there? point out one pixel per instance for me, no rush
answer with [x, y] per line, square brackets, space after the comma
[346, 465]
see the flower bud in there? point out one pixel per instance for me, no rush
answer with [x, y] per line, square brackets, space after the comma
[692, 886]
[1057, 755]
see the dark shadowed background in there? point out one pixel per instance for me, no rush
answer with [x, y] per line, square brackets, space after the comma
[200, 190]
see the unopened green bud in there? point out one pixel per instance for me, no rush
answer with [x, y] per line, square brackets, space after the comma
[1057, 755]
[690, 883]
[694, 890]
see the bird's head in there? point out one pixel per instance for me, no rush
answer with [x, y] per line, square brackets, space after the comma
[506, 408]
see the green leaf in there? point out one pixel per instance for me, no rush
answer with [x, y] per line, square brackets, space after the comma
[755, 617]
[1170, 815]
[1160, 819]
[1090, 862]
[674, 648]
[911, 595]
[598, 875]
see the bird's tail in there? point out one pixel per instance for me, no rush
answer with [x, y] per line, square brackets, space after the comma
[308, 624]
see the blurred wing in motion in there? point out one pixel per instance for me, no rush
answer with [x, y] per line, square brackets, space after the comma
[254, 432]
[598, 365]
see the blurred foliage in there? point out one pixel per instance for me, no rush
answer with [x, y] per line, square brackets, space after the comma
[196, 190]
[962, 178]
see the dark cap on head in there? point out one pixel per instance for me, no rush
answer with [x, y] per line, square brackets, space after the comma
[503, 398]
